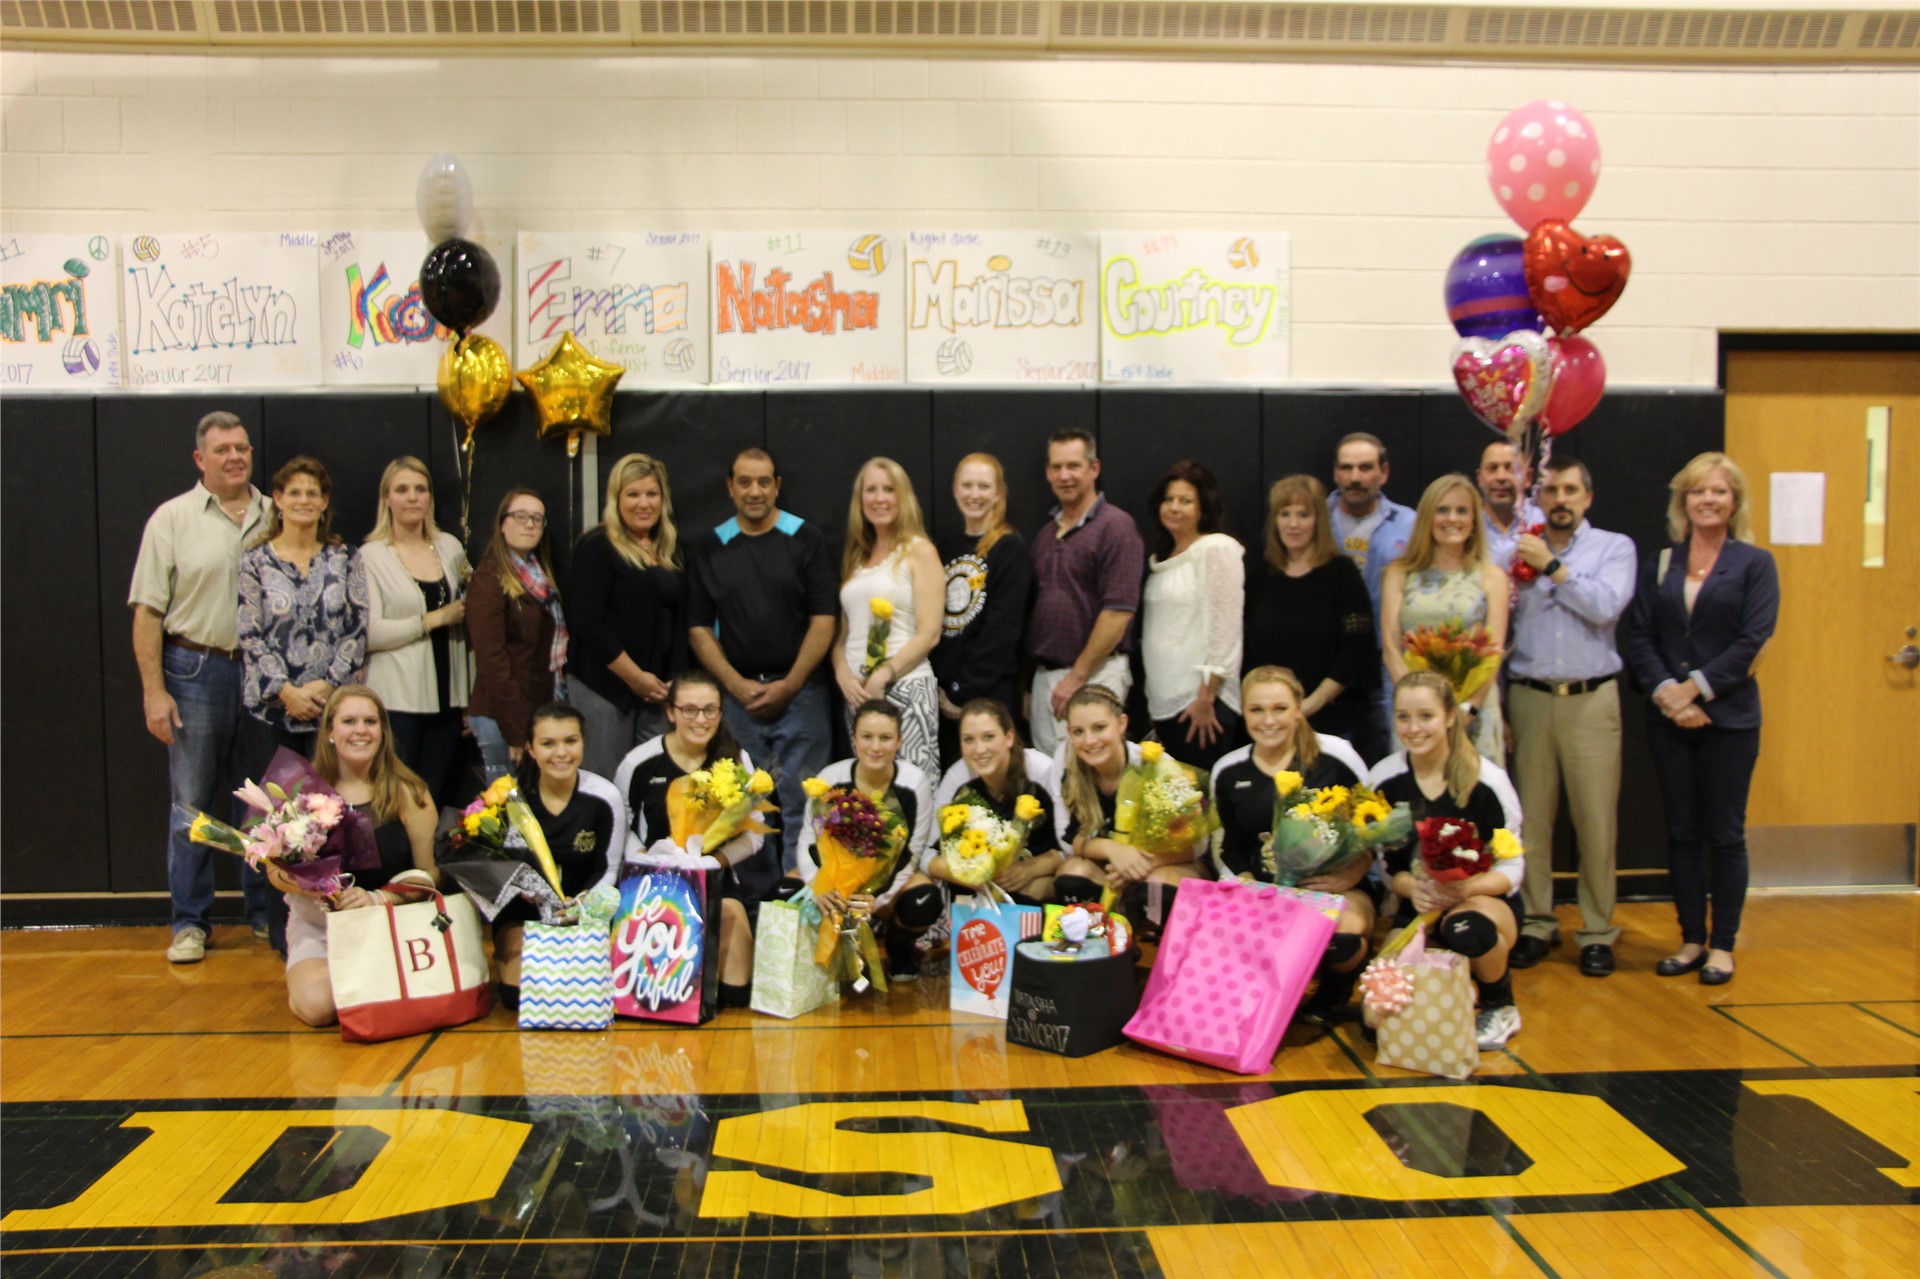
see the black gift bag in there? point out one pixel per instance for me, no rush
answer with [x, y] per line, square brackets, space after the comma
[1074, 1007]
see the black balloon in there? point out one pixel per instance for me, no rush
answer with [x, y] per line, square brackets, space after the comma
[460, 284]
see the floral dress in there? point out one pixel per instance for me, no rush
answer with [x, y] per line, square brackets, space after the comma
[299, 627]
[1435, 597]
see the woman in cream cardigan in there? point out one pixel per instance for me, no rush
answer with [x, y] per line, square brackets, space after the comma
[416, 640]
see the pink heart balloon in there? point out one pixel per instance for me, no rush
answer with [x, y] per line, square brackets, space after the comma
[1504, 380]
[1579, 377]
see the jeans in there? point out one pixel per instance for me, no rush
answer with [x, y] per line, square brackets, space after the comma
[793, 747]
[429, 744]
[213, 745]
[1704, 775]
[495, 759]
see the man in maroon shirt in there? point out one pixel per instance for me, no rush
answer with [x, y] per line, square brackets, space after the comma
[1087, 565]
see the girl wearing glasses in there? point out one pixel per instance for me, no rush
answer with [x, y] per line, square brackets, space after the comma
[696, 739]
[516, 632]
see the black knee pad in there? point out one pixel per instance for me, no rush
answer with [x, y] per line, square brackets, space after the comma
[918, 907]
[1469, 933]
[786, 888]
[1071, 890]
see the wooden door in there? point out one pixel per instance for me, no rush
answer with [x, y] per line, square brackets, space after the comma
[1840, 745]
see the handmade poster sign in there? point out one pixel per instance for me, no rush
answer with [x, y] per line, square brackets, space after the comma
[1002, 306]
[59, 313]
[634, 298]
[1194, 306]
[824, 307]
[377, 331]
[222, 309]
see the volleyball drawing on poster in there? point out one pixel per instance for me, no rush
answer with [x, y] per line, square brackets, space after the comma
[221, 309]
[1002, 306]
[1194, 306]
[377, 330]
[635, 298]
[814, 307]
[59, 327]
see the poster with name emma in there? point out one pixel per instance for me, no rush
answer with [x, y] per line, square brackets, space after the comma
[1002, 306]
[221, 309]
[59, 313]
[634, 298]
[808, 307]
[1194, 306]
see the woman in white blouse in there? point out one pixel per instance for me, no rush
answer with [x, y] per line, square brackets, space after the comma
[416, 637]
[889, 557]
[1191, 619]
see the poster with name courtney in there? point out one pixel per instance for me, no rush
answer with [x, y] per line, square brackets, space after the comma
[59, 326]
[1002, 306]
[1194, 306]
[808, 307]
[221, 309]
[634, 298]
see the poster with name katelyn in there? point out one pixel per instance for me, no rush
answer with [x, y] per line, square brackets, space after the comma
[1194, 306]
[808, 307]
[377, 330]
[633, 298]
[221, 309]
[59, 325]
[1002, 306]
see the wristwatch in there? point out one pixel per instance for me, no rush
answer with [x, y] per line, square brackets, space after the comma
[1553, 566]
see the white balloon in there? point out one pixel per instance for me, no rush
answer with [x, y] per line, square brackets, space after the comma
[444, 198]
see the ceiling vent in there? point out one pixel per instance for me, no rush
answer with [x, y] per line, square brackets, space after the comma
[105, 21]
[922, 23]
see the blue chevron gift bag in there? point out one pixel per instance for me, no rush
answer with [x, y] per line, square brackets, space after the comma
[566, 978]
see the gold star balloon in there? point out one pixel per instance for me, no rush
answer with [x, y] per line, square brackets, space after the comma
[573, 391]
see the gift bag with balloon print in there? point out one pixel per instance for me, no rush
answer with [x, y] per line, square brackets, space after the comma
[1421, 1003]
[984, 935]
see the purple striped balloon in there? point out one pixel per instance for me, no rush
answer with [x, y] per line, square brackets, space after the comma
[1487, 289]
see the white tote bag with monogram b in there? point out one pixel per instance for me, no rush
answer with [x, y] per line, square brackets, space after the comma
[407, 968]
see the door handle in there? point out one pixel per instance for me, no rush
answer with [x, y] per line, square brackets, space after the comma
[1908, 657]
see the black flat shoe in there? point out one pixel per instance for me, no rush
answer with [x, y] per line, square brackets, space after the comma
[1596, 960]
[1715, 976]
[1528, 951]
[1672, 967]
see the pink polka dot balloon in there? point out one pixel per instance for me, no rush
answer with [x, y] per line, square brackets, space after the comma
[1543, 162]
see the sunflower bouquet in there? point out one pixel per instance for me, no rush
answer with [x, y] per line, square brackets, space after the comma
[858, 839]
[1161, 806]
[977, 842]
[1465, 656]
[1318, 828]
[717, 803]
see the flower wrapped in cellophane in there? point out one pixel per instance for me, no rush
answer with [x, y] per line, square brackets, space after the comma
[1316, 829]
[305, 831]
[1161, 806]
[499, 825]
[858, 840]
[1466, 657]
[879, 628]
[1451, 848]
[717, 803]
[976, 842]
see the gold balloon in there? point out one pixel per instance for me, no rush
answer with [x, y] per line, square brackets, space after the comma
[475, 377]
[573, 391]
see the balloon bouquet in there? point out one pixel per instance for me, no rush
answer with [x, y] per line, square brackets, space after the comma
[1520, 304]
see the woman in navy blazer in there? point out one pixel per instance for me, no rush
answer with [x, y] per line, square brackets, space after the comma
[1703, 612]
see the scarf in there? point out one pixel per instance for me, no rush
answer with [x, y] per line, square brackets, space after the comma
[540, 586]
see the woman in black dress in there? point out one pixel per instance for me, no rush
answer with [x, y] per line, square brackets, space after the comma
[989, 582]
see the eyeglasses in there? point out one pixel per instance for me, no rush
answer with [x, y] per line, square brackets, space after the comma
[697, 712]
[527, 518]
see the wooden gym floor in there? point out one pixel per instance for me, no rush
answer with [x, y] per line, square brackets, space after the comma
[163, 1121]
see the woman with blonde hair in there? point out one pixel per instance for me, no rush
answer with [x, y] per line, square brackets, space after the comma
[416, 643]
[890, 576]
[989, 583]
[516, 629]
[1703, 612]
[1445, 577]
[627, 607]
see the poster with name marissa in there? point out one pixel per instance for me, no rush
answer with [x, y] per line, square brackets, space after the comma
[376, 328]
[59, 313]
[221, 308]
[1002, 306]
[634, 298]
[808, 307]
[1194, 306]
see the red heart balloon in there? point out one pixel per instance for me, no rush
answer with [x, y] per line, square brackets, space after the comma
[1579, 376]
[1504, 381]
[1573, 279]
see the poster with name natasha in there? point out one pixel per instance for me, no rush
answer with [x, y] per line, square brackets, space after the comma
[808, 308]
[221, 308]
[1194, 306]
[59, 313]
[1002, 306]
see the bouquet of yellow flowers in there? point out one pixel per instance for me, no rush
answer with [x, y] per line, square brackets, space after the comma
[718, 802]
[879, 628]
[1318, 828]
[858, 839]
[978, 843]
[499, 824]
[1466, 657]
[1161, 806]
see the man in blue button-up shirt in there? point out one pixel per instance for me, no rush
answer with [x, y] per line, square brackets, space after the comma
[1563, 702]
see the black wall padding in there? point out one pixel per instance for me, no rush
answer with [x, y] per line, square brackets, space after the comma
[354, 436]
[143, 449]
[56, 780]
[1013, 425]
[820, 438]
[695, 435]
[1142, 432]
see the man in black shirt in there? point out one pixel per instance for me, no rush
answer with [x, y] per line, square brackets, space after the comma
[763, 602]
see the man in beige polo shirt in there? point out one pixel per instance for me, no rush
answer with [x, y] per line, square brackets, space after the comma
[185, 600]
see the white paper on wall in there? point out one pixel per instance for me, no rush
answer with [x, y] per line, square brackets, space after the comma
[634, 298]
[59, 309]
[225, 309]
[794, 307]
[1194, 306]
[1796, 508]
[1002, 306]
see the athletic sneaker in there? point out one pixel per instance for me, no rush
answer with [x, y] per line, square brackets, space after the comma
[261, 933]
[189, 946]
[1495, 1026]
